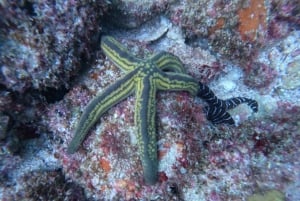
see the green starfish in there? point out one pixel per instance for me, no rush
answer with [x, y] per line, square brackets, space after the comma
[160, 72]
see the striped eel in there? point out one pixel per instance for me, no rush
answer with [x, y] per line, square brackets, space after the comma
[143, 78]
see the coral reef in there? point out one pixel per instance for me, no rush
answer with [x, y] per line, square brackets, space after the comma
[132, 14]
[42, 45]
[41, 42]
[259, 75]
[236, 30]
[41, 49]
[192, 153]
[46, 185]
[51, 66]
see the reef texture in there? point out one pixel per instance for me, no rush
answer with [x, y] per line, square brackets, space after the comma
[41, 42]
[132, 13]
[46, 185]
[44, 45]
[236, 29]
[41, 49]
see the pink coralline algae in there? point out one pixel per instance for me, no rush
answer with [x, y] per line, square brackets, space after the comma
[46, 185]
[200, 63]
[41, 49]
[37, 54]
[41, 42]
[45, 45]
[259, 75]
[236, 30]
[195, 158]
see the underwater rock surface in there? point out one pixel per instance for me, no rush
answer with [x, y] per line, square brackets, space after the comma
[51, 66]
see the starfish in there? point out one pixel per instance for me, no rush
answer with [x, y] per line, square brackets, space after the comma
[144, 77]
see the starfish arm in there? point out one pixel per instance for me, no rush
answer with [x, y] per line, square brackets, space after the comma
[145, 122]
[100, 104]
[176, 82]
[118, 54]
[168, 62]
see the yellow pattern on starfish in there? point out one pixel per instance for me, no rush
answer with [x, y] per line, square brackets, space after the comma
[144, 78]
[162, 71]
